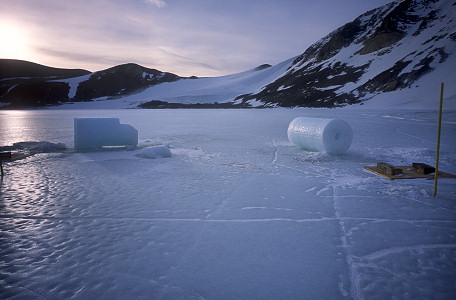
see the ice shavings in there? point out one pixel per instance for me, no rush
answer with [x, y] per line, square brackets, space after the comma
[158, 151]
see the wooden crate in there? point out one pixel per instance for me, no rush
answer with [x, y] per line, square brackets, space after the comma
[416, 170]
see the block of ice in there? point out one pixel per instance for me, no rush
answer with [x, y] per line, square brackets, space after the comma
[333, 136]
[155, 152]
[92, 133]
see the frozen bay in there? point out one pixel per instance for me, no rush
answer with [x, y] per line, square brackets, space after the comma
[237, 212]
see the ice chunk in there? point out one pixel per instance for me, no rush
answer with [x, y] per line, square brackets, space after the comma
[155, 152]
[35, 147]
[92, 133]
[333, 136]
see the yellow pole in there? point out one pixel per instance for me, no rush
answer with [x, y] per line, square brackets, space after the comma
[436, 174]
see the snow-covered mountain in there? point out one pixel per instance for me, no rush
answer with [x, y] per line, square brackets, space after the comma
[393, 56]
[397, 53]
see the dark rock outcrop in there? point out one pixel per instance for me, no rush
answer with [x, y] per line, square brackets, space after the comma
[26, 84]
[38, 93]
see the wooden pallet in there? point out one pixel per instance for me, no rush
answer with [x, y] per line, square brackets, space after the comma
[417, 170]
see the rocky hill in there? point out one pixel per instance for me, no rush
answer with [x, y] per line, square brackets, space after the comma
[386, 49]
[120, 80]
[12, 68]
[26, 84]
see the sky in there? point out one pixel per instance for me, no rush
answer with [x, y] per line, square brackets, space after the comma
[185, 37]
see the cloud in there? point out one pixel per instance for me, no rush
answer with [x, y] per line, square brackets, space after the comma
[74, 59]
[186, 63]
[198, 37]
[158, 3]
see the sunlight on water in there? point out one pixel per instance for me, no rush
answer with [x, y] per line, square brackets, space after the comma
[35, 125]
[16, 126]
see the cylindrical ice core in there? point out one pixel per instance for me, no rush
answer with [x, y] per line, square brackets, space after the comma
[333, 136]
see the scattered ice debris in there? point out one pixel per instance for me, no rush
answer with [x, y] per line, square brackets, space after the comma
[155, 152]
[35, 147]
[93, 133]
[333, 136]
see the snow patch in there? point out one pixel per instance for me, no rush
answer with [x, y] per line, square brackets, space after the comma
[74, 83]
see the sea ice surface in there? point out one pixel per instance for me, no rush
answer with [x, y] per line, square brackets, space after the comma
[237, 212]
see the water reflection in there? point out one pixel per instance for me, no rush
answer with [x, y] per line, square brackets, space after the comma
[35, 125]
[16, 126]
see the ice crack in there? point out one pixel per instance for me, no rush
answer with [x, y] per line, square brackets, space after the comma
[353, 274]
[394, 250]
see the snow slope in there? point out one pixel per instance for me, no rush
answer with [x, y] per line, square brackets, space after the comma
[236, 212]
[73, 83]
[202, 90]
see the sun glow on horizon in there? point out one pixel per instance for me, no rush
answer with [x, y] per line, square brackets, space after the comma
[14, 41]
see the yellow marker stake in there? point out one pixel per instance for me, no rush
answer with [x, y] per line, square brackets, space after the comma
[436, 176]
